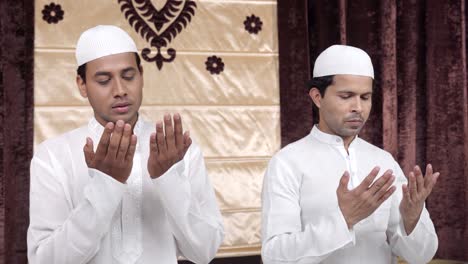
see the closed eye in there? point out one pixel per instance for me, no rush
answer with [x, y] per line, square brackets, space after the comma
[128, 74]
[103, 82]
[129, 78]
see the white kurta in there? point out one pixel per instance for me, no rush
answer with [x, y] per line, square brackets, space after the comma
[81, 215]
[302, 222]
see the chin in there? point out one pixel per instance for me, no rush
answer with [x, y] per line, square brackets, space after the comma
[350, 132]
[114, 118]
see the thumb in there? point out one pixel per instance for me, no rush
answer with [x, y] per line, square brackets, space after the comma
[88, 151]
[343, 186]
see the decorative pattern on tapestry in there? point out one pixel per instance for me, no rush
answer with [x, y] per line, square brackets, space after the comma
[215, 62]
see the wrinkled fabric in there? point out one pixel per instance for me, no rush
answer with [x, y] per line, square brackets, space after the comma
[233, 114]
[81, 215]
[301, 219]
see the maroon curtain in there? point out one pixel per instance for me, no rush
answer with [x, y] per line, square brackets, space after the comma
[420, 107]
[16, 125]
[420, 104]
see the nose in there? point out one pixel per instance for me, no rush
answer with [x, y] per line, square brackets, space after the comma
[119, 88]
[357, 105]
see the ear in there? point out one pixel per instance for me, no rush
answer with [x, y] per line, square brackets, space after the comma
[316, 97]
[81, 86]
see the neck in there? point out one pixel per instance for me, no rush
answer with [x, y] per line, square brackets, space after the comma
[346, 139]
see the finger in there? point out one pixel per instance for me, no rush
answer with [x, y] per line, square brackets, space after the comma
[115, 139]
[343, 185]
[380, 182]
[131, 148]
[125, 142]
[432, 183]
[187, 141]
[178, 132]
[368, 180]
[160, 138]
[429, 175]
[387, 194]
[412, 185]
[103, 144]
[378, 195]
[88, 150]
[153, 144]
[420, 179]
[170, 139]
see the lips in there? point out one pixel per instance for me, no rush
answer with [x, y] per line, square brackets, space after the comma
[121, 108]
[355, 122]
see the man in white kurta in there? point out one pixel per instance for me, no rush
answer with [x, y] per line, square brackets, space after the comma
[303, 219]
[79, 214]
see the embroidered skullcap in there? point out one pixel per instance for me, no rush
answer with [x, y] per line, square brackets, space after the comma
[102, 40]
[342, 59]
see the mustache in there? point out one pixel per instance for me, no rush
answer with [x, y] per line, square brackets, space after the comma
[357, 117]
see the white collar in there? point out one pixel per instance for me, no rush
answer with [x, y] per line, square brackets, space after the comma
[329, 138]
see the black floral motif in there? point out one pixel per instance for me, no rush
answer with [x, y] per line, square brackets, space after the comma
[214, 65]
[253, 24]
[52, 13]
[176, 14]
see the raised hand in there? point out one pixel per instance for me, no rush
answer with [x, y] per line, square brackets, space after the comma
[167, 148]
[415, 194]
[362, 201]
[115, 151]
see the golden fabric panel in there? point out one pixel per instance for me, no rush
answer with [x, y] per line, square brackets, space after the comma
[229, 132]
[55, 80]
[246, 80]
[246, 223]
[233, 115]
[238, 183]
[216, 26]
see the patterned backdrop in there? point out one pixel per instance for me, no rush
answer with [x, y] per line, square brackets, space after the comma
[216, 62]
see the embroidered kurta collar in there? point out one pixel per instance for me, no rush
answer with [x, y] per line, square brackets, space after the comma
[329, 138]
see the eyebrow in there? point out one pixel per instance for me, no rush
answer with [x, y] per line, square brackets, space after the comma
[128, 69]
[108, 74]
[102, 73]
[350, 92]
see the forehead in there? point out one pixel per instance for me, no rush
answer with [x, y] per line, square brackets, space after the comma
[112, 63]
[352, 83]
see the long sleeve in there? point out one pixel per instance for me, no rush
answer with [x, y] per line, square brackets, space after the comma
[60, 231]
[191, 207]
[284, 238]
[421, 244]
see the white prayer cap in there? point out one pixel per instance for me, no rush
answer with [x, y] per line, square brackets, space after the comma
[341, 59]
[101, 41]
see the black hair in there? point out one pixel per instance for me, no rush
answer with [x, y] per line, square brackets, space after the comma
[81, 71]
[321, 83]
